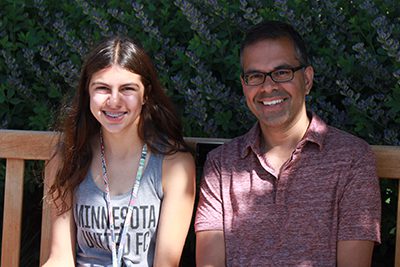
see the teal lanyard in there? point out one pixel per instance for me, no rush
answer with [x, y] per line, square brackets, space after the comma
[117, 256]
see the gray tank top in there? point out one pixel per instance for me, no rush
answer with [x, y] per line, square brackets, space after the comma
[91, 219]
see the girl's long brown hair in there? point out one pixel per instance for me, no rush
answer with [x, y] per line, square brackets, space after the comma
[159, 126]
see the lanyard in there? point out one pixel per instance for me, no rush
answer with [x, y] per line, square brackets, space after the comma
[117, 256]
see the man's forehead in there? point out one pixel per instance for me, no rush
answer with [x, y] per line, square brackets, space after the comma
[271, 53]
[284, 41]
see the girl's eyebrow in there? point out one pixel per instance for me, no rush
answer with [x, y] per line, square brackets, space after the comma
[130, 84]
[123, 85]
[98, 83]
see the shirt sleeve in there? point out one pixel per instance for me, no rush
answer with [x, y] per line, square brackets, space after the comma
[360, 205]
[209, 214]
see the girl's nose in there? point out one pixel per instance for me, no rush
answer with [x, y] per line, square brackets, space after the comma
[113, 99]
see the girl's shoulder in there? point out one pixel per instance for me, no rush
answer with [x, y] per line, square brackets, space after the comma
[178, 168]
[180, 159]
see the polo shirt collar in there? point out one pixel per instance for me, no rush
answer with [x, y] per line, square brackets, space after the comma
[315, 133]
[251, 141]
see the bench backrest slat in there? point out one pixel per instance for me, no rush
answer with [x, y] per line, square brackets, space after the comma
[28, 145]
[45, 240]
[17, 146]
[388, 161]
[12, 218]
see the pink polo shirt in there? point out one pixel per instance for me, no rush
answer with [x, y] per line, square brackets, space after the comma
[327, 191]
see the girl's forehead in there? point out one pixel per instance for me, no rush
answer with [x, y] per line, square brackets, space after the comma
[115, 75]
[115, 71]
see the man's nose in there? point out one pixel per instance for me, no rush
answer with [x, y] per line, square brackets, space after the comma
[269, 83]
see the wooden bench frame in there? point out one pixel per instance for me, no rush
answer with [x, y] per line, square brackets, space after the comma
[16, 146]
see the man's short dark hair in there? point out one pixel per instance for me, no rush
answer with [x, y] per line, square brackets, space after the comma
[272, 29]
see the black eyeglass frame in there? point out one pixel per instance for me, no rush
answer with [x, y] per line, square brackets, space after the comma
[294, 69]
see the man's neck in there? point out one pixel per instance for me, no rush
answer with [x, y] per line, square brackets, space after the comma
[284, 138]
[278, 144]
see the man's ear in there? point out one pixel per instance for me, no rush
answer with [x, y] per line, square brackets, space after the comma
[242, 81]
[308, 78]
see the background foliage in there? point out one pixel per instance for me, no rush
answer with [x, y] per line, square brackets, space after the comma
[354, 46]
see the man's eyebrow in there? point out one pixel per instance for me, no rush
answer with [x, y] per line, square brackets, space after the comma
[282, 66]
[251, 71]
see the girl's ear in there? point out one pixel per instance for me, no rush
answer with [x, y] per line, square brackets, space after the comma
[147, 90]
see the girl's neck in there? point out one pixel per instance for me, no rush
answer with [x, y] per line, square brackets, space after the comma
[121, 146]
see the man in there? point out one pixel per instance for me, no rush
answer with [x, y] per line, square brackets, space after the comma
[292, 191]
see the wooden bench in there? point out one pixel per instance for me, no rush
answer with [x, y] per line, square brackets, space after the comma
[16, 146]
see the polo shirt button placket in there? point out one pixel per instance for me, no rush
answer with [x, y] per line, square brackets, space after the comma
[280, 189]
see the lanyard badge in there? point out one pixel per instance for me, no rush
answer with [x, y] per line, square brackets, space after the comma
[117, 256]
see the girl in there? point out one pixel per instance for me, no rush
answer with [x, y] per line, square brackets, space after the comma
[124, 190]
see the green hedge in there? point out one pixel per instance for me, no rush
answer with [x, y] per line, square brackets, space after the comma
[354, 46]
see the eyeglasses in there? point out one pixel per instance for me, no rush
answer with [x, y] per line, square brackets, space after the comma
[278, 76]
